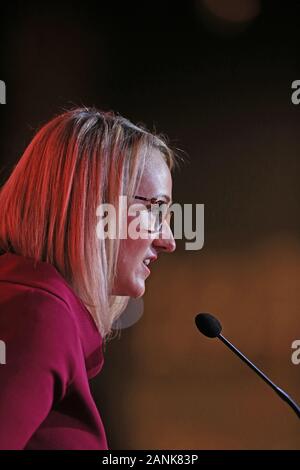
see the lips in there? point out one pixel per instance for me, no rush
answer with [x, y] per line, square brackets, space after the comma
[147, 270]
[147, 261]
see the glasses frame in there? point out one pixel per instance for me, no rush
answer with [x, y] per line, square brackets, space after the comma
[153, 201]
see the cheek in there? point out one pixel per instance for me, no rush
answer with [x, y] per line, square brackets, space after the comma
[130, 277]
[132, 252]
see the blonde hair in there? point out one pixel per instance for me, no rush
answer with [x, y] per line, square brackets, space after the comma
[78, 160]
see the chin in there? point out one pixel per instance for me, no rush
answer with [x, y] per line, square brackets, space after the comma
[136, 290]
[132, 286]
[133, 291]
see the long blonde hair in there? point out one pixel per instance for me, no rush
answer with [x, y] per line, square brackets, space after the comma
[78, 160]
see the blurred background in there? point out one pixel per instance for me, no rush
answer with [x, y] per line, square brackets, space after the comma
[215, 77]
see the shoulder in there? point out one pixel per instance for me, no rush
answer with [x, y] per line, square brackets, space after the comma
[48, 313]
[39, 330]
[35, 307]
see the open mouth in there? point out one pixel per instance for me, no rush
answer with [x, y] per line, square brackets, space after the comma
[145, 264]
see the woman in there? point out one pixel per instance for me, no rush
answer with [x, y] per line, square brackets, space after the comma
[61, 284]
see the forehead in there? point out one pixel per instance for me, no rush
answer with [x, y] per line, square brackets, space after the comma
[156, 178]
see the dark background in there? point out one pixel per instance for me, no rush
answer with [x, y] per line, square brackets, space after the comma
[221, 91]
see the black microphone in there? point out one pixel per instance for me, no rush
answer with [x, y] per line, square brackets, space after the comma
[211, 327]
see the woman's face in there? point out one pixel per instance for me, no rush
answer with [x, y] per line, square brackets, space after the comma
[156, 182]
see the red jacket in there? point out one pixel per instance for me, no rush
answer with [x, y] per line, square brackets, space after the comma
[52, 348]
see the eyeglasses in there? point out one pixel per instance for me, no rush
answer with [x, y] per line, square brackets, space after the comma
[158, 209]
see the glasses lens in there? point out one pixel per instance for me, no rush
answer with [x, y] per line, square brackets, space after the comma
[155, 213]
[161, 212]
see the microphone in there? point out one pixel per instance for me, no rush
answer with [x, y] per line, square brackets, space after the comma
[210, 326]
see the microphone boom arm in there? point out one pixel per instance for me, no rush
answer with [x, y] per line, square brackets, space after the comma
[276, 389]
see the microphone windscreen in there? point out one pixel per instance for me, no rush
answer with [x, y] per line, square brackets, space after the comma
[208, 325]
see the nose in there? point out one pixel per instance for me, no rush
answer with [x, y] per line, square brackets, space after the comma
[165, 240]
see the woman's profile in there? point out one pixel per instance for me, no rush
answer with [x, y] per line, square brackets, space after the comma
[62, 285]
